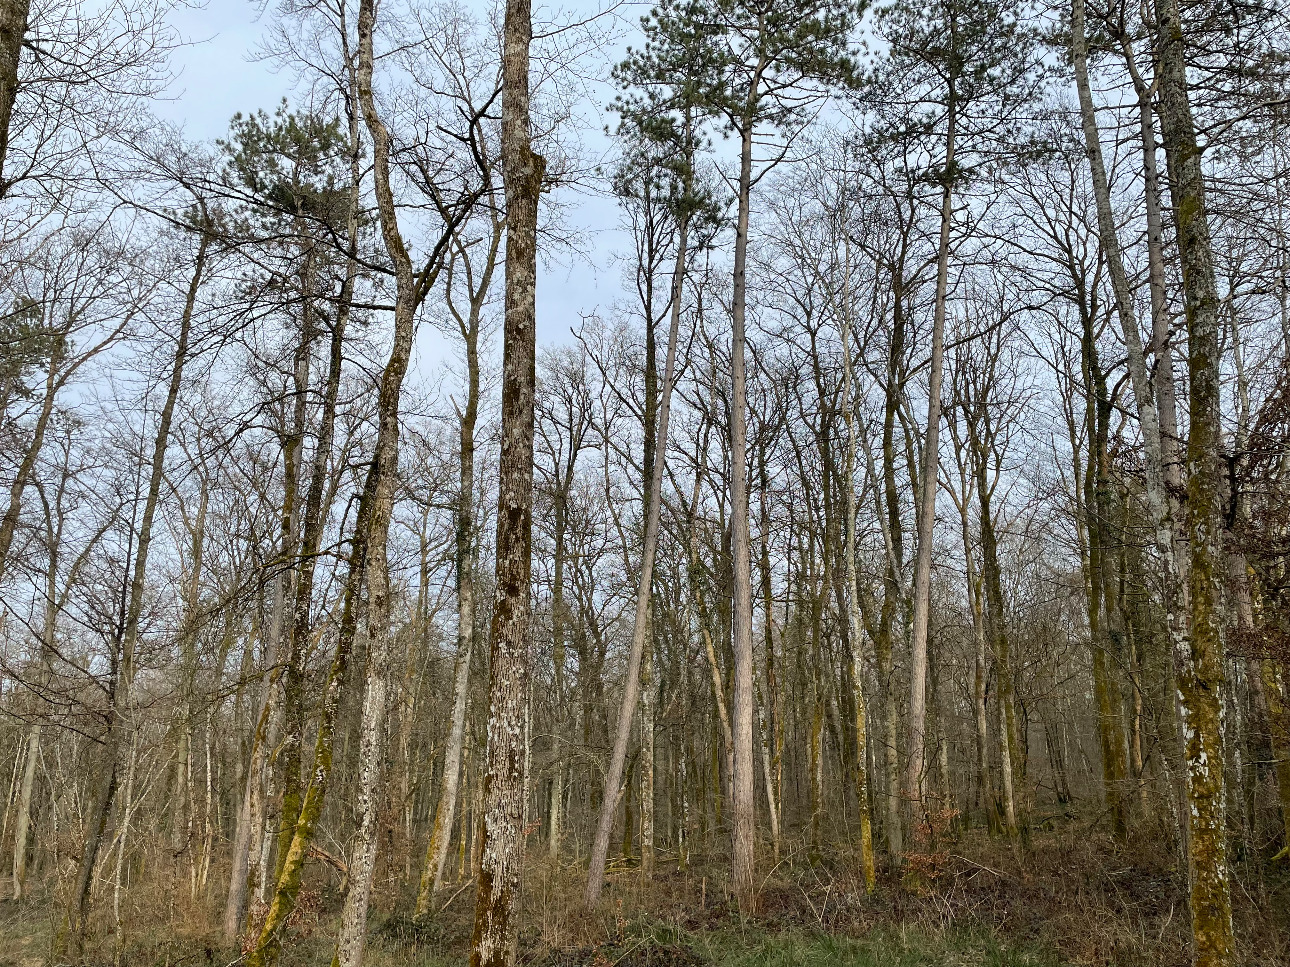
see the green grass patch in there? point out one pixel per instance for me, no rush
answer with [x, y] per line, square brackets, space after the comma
[665, 946]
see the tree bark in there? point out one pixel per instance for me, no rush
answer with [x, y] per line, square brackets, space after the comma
[992, 585]
[771, 720]
[441, 830]
[13, 32]
[385, 465]
[641, 622]
[914, 767]
[893, 585]
[23, 823]
[505, 783]
[861, 771]
[743, 826]
[1201, 675]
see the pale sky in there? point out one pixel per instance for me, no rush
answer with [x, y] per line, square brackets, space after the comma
[216, 77]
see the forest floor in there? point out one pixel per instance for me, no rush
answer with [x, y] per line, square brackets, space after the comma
[1070, 897]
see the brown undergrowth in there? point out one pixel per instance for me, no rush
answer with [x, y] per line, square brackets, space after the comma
[1069, 896]
[1072, 891]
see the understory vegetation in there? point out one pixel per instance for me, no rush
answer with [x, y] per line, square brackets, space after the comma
[1069, 900]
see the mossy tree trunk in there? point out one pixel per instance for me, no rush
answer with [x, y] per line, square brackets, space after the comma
[505, 783]
[1201, 670]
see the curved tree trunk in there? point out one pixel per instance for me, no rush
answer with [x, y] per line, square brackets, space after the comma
[385, 465]
[122, 677]
[441, 830]
[641, 624]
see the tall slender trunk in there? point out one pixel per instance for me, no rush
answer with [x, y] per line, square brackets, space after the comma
[1162, 378]
[560, 513]
[23, 822]
[1157, 411]
[505, 783]
[441, 830]
[367, 564]
[768, 770]
[1202, 673]
[385, 465]
[313, 519]
[1097, 513]
[743, 826]
[122, 838]
[641, 622]
[709, 647]
[122, 679]
[26, 787]
[648, 701]
[985, 790]
[1277, 699]
[289, 753]
[235, 908]
[267, 947]
[182, 828]
[893, 587]
[1159, 423]
[852, 597]
[1009, 759]
[244, 830]
[772, 721]
[815, 742]
[914, 767]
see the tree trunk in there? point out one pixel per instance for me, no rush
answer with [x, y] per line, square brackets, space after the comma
[441, 831]
[1277, 699]
[853, 602]
[123, 677]
[648, 692]
[23, 824]
[13, 31]
[641, 622]
[1161, 464]
[1201, 675]
[235, 909]
[985, 790]
[772, 722]
[1009, 759]
[385, 464]
[893, 587]
[555, 813]
[914, 767]
[289, 751]
[122, 837]
[743, 826]
[497, 900]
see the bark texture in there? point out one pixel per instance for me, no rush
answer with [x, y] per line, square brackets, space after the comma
[743, 825]
[13, 32]
[505, 783]
[1201, 675]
